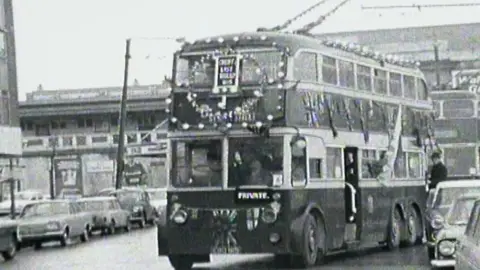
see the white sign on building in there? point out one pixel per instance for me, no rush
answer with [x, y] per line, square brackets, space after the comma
[468, 79]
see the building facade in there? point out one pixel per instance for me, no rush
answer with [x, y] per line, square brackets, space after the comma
[75, 134]
[11, 143]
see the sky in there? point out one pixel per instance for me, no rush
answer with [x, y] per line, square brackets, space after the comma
[66, 44]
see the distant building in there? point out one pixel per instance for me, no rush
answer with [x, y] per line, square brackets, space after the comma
[10, 133]
[80, 127]
[458, 50]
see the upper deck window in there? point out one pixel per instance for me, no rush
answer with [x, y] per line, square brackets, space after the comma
[380, 81]
[458, 108]
[364, 78]
[422, 89]
[329, 70]
[395, 84]
[306, 67]
[409, 86]
[347, 75]
[195, 70]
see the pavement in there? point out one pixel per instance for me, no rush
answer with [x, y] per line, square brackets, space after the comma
[138, 250]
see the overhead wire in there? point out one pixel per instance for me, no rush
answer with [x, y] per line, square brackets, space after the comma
[288, 22]
[308, 27]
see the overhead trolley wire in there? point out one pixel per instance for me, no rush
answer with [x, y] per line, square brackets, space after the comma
[308, 27]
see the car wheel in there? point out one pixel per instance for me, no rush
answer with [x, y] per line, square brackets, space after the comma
[37, 245]
[86, 235]
[143, 222]
[394, 231]
[111, 228]
[128, 226]
[11, 251]
[65, 238]
[181, 262]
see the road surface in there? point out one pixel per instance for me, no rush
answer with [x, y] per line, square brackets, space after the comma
[137, 250]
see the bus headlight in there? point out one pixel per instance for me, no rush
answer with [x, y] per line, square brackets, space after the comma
[446, 248]
[180, 216]
[270, 213]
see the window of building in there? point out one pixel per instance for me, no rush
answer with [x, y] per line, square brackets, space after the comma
[84, 122]
[4, 107]
[400, 168]
[305, 68]
[334, 163]
[380, 81]
[364, 78]
[458, 108]
[368, 158]
[421, 89]
[346, 74]
[409, 86]
[414, 165]
[3, 47]
[316, 168]
[395, 84]
[436, 108]
[329, 70]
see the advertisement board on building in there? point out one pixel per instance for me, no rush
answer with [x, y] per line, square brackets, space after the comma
[468, 79]
[68, 175]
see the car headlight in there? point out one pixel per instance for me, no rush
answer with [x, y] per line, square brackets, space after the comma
[446, 247]
[137, 209]
[180, 216]
[53, 226]
[437, 222]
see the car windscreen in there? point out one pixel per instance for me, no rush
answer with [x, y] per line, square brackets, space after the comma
[447, 195]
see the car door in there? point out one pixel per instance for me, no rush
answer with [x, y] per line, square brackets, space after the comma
[72, 219]
[120, 214]
[468, 245]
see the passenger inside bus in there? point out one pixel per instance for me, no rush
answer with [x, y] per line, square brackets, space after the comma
[259, 175]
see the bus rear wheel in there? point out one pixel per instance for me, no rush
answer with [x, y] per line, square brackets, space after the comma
[394, 231]
[181, 262]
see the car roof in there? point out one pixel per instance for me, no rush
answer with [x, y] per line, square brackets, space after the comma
[459, 183]
[96, 199]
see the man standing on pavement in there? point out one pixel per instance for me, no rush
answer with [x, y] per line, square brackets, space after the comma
[438, 172]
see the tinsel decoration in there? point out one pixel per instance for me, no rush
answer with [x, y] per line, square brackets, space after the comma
[328, 106]
[363, 123]
[348, 116]
[222, 119]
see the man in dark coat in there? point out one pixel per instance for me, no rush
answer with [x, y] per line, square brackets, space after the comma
[438, 172]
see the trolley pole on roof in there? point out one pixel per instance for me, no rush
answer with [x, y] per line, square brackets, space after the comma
[122, 118]
[437, 64]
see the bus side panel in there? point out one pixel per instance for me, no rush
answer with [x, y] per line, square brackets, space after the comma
[378, 203]
[331, 202]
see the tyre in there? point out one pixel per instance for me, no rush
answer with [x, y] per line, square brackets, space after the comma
[128, 226]
[64, 239]
[11, 251]
[143, 222]
[394, 231]
[86, 235]
[313, 239]
[111, 228]
[413, 228]
[181, 262]
[37, 245]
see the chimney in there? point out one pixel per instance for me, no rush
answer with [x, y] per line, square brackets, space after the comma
[135, 82]
[40, 87]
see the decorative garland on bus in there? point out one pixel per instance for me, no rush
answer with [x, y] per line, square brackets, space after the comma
[220, 117]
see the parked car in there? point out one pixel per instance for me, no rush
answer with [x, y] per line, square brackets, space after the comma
[137, 201]
[70, 194]
[452, 226]
[108, 215]
[158, 199]
[468, 245]
[55, 220]
[8, 239]
[439, 202]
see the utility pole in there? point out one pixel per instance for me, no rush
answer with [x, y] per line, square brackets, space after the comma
[12, 190]
[437, 64]
[123, 116]
[53, 144]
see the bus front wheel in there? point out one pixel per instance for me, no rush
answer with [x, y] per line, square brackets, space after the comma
[313, 238]
[181, 262]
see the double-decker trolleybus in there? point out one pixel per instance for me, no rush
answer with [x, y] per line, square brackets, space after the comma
[456, 131]
[287, 144]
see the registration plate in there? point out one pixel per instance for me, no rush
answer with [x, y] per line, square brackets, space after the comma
[224, 250]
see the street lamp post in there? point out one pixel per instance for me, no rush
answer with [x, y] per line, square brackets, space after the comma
[53, 144]
[123, 106]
